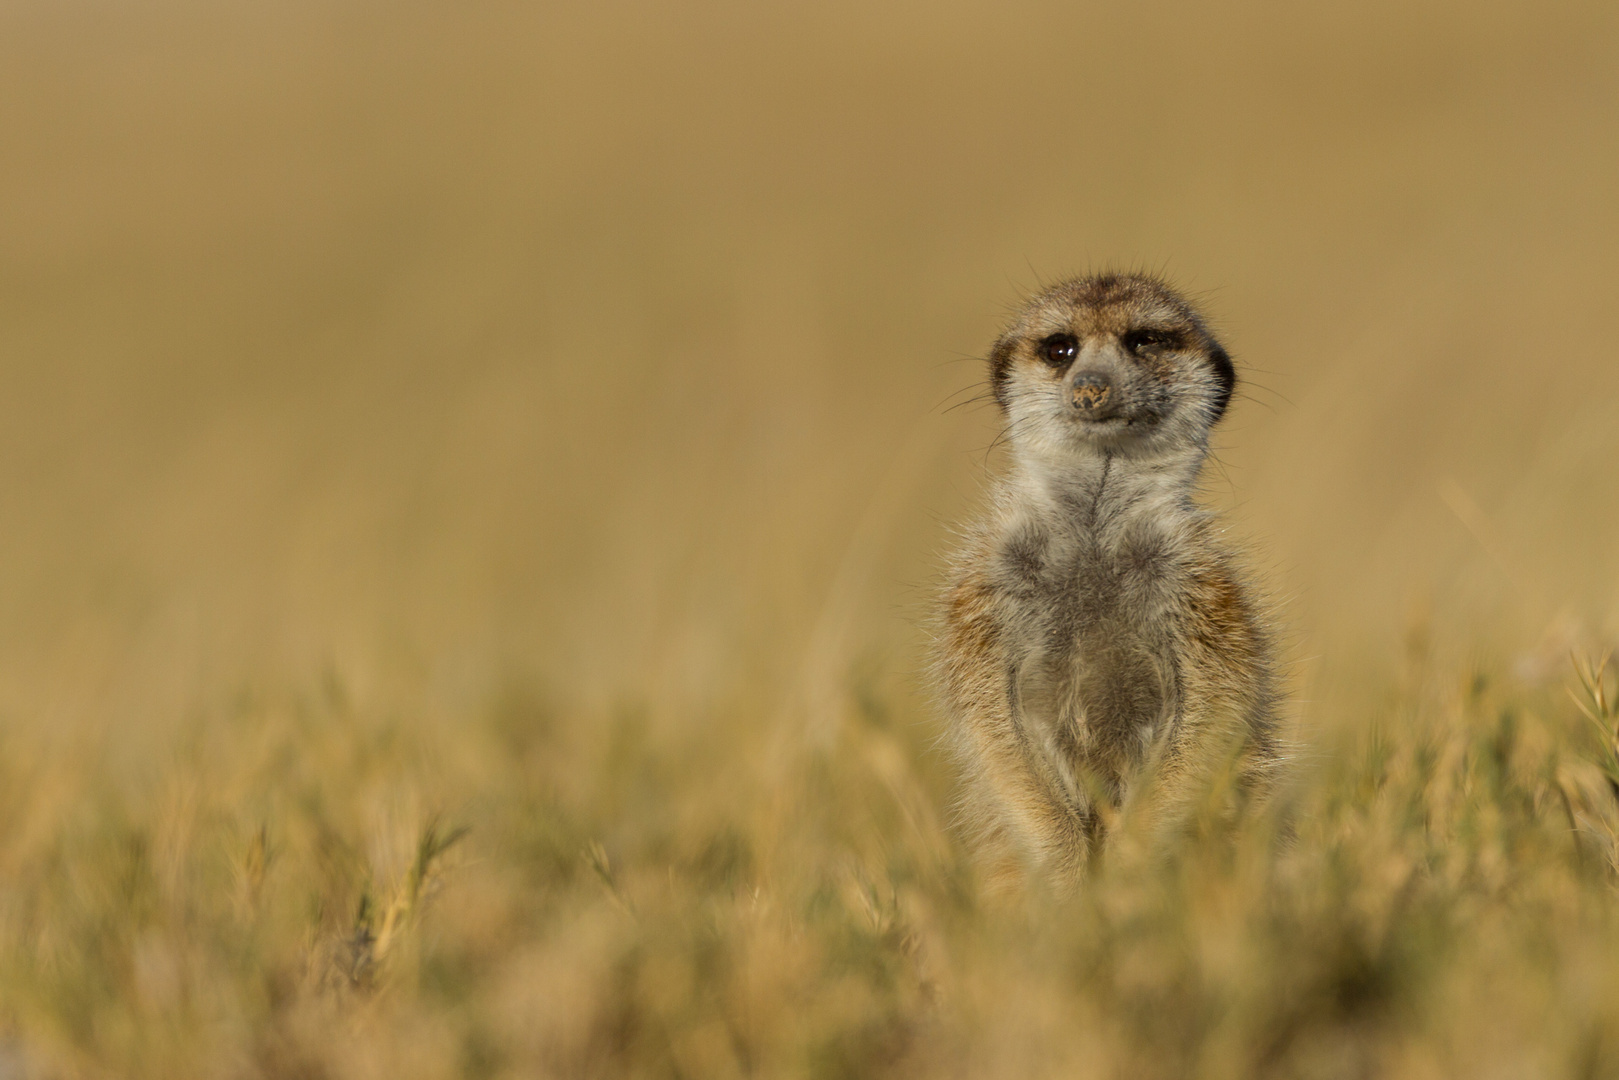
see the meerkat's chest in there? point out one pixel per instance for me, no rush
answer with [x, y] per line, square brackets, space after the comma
[1064, 582]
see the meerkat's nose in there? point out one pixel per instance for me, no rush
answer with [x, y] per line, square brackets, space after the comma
[1091, 394]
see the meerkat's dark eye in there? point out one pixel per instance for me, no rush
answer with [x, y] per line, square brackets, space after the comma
[1059, 350]
[1142, 341]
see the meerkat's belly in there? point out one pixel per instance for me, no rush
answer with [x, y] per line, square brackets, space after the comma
[1098, 682]
[1107, 686]
[1120, 692]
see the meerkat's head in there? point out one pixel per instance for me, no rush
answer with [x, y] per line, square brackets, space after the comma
[1115, 362]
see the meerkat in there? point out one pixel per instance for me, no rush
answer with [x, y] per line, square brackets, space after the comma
[1095, 630]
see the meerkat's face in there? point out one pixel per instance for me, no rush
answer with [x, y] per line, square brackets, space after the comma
[1115, 362]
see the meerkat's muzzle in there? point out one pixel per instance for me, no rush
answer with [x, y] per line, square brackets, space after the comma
[1091, 395]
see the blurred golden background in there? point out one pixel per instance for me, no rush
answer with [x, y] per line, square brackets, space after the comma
[612, 341]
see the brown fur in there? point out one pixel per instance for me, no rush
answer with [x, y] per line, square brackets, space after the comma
[1094, 630]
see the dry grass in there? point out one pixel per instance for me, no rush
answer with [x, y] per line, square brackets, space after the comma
[472, 477]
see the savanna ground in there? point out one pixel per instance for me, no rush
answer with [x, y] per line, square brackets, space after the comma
[471, 478]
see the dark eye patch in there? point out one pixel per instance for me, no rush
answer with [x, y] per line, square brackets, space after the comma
[1059, 350]
[1146, 339]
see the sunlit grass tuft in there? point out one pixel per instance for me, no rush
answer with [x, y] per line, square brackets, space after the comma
[1601, 707]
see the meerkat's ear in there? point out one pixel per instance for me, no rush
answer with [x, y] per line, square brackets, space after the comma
[1226, 373]
[1000, 367]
